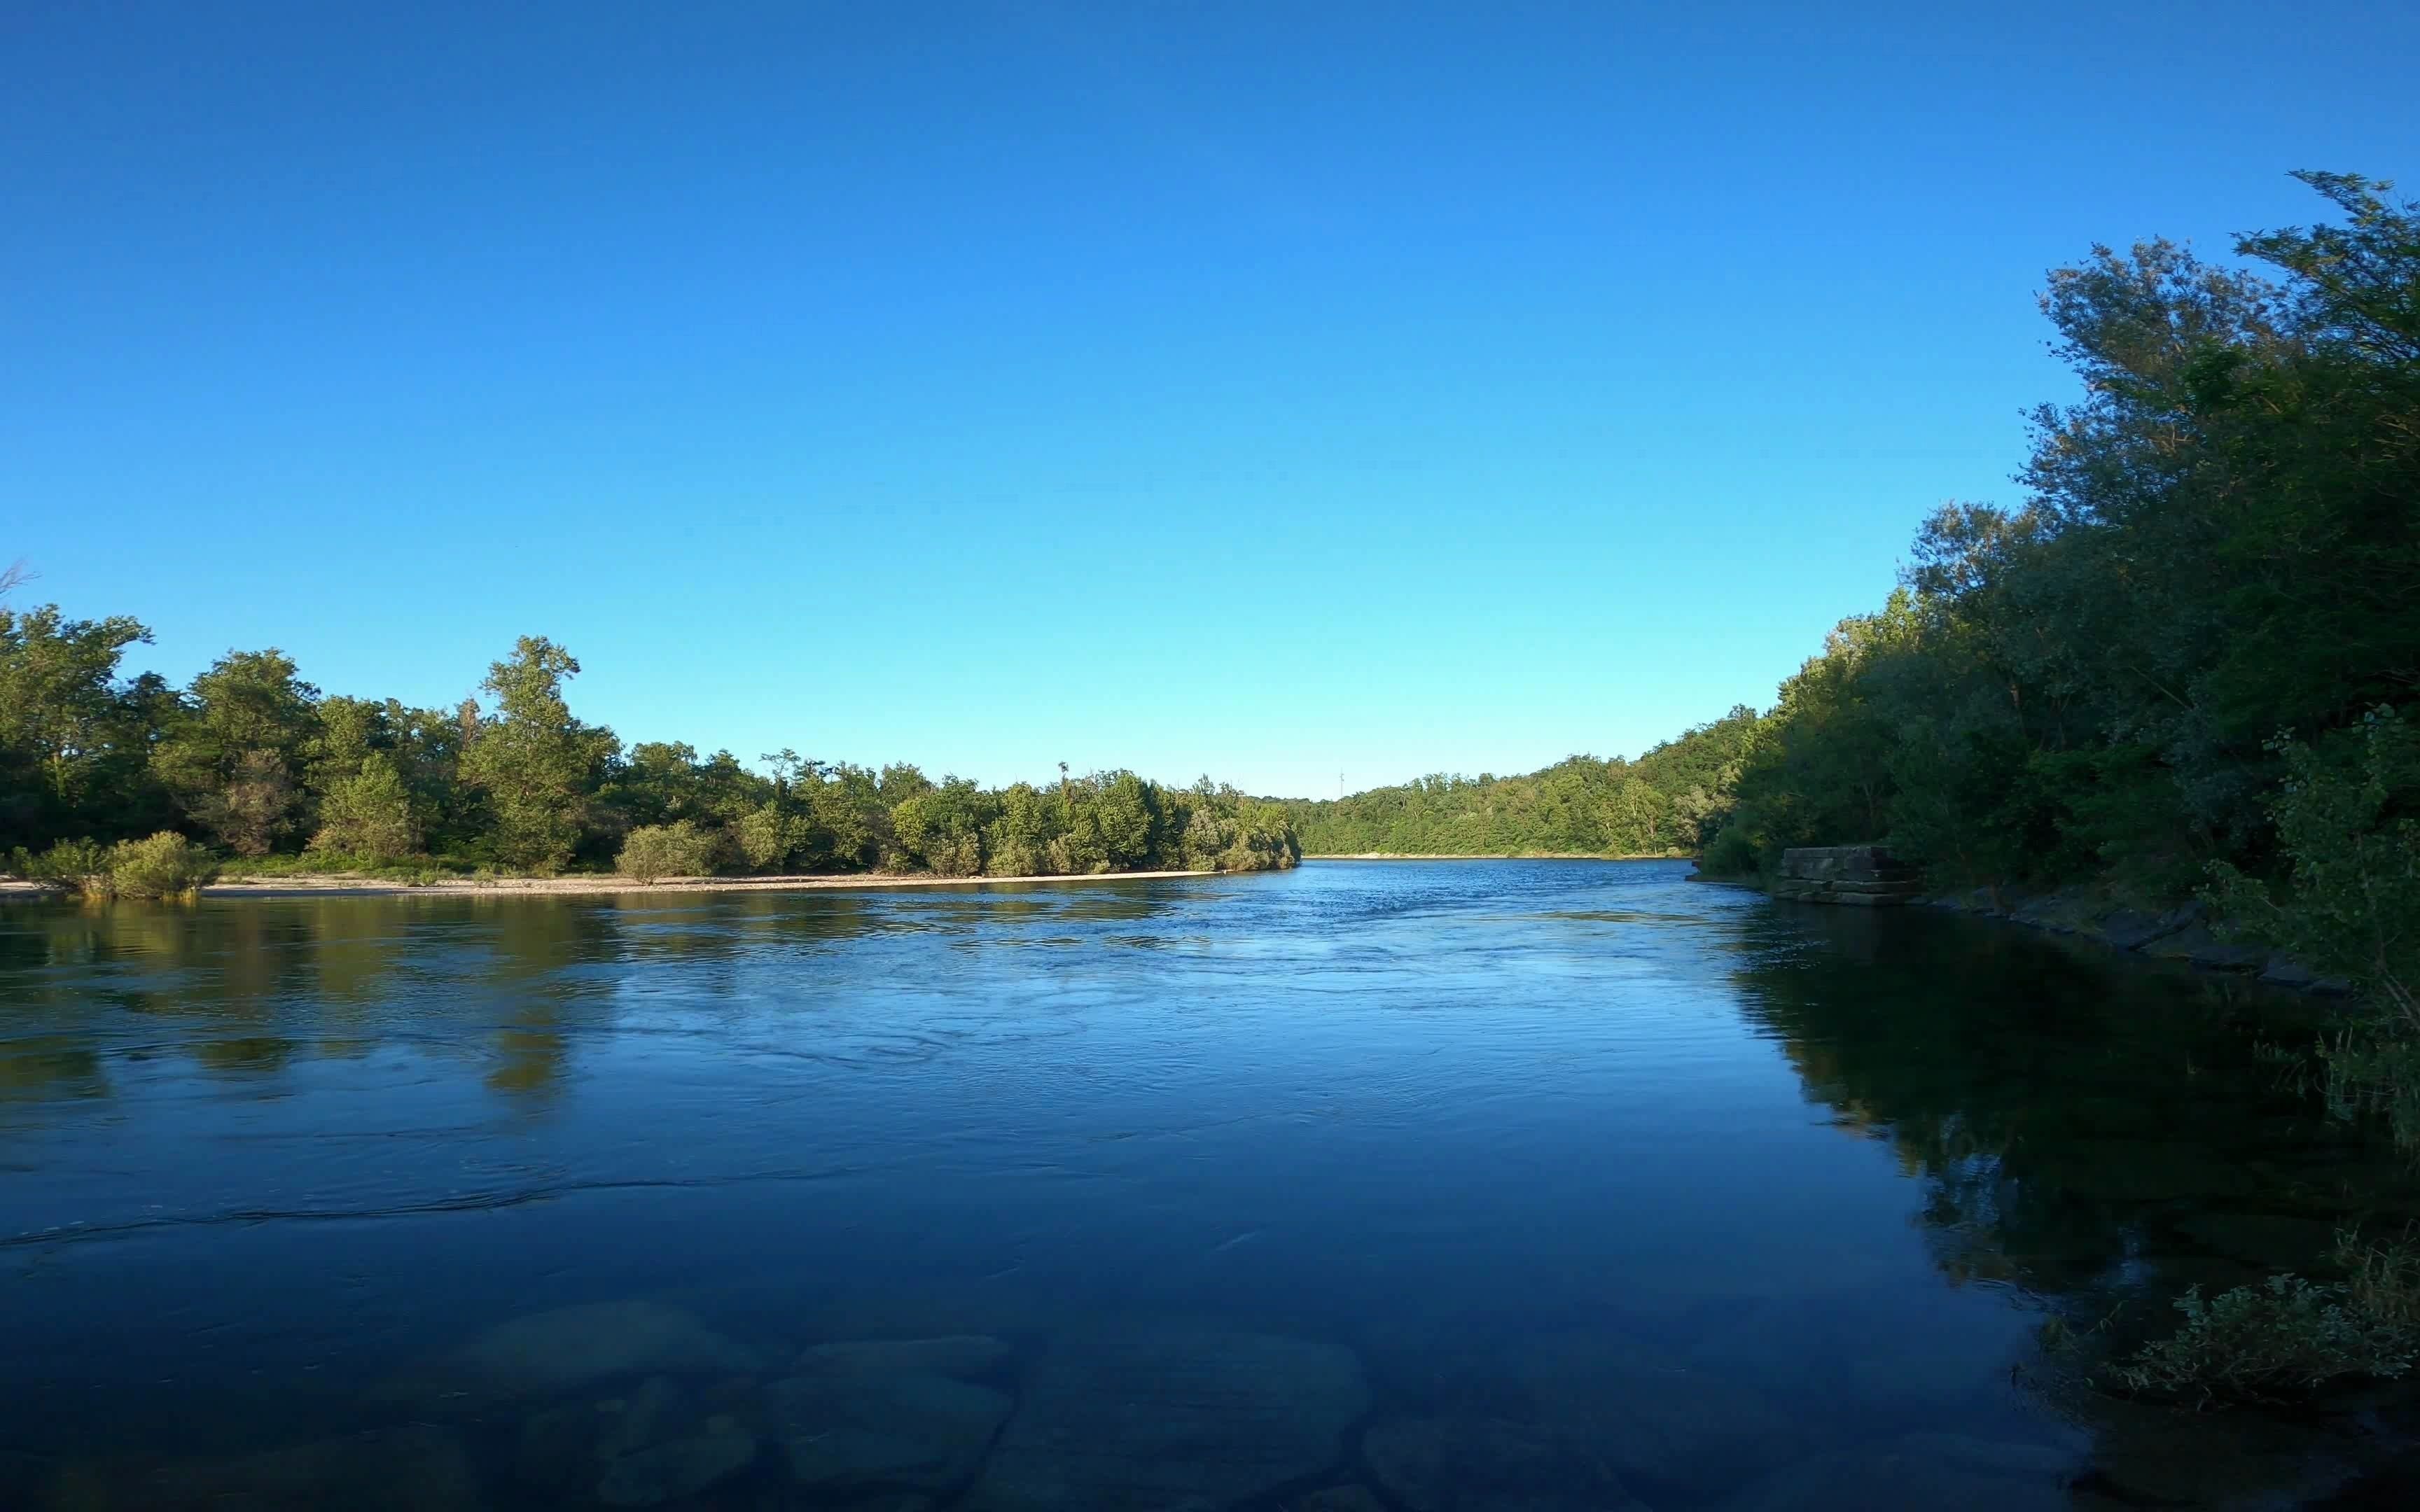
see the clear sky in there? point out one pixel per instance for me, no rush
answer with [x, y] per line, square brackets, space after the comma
[1272, 391]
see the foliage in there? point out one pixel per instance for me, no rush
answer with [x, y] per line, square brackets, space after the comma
[2382, 1278]
[533, 762]
[1666, 802]
[166, 865]
[260, 763]
[653, 852]
[72, 865]
[2287, 1338]
[232, 750]
[2348, 824]
[2220, 540]
[368, 815]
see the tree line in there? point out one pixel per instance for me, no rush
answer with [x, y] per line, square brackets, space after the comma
[1667, 802]
[2187, 664]
[2209, 599]
[254, 763]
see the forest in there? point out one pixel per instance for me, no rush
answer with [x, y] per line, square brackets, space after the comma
[2193, 646]
[1669, 802]
[105, 775]
[2207, 600]
[2184, 667]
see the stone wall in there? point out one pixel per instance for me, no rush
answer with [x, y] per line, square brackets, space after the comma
[1864, 876]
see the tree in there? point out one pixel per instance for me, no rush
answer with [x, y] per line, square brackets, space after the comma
[534, 762]
[63, 716]
[653, 852]
[234, 754]
[368, 815]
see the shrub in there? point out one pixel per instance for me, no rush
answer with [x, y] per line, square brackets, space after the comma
[1733, 853]
[2266, 1343]
[74, 865]
[653, 852]
[768, 837]
[2382, 1278]
[166, 865]
[368, 815]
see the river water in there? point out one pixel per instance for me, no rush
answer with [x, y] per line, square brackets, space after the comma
[1432, 1186]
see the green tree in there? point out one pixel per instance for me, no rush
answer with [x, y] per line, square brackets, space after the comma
[69, 730]
[234, 757]
[535, 765]
[368, 815]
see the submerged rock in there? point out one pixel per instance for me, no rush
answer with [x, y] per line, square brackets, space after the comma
[1922, 1470]
[1339, 1499]
[1155, 1417]
[652, 1445]
[678, 1467]
[1475, 1464]
[551, 1354]
[1659, 1420]
[842, 1429]
[407, 1468]
[957, 1355]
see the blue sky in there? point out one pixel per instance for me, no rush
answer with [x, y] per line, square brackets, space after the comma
[1269, 391]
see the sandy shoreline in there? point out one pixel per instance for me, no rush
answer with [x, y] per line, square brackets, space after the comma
[1486, 856]
[580, 886]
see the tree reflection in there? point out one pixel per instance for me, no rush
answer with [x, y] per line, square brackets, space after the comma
[2096, 1132]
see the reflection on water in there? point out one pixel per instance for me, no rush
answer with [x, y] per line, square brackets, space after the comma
[1427, 1186]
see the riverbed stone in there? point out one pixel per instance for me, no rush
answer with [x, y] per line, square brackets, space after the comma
[1146, 1419]
[1654, 1418]
[562, 1351]
[406, 1468]
[956, 1354]
[844, 1428]
[657, 1442]
[2196, 944]
[1339, 1499]
[1479, 1464]
[1920, 1470]
[678, 1467]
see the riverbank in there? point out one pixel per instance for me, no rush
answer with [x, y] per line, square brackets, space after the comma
[2178, 932]
[340, 884]
[1492, 856]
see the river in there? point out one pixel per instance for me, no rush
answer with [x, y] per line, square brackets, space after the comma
[1422, 1185]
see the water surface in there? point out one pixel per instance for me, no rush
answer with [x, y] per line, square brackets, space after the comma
[1498, 1184]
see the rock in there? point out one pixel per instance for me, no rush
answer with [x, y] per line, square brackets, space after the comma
[405, 1469]
[2282, 972]
[1851, 1352]
[1921, 1470]
[1142, 1419]
[650, 1447]
[846, 1429]
[1653, 1419]
[2130, 931]
[553, 1353]
[959, 1354]
[1340, 1499]
[2196, 944]
[2156, 1456]
[1474, 1464]
[678, 1467]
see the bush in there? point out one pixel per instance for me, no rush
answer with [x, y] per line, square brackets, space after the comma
[2382, 1278]
[73, 865]
[368, 815]
[653, 852]
[2266, 1343]
[1731, 854]
[166, 865]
